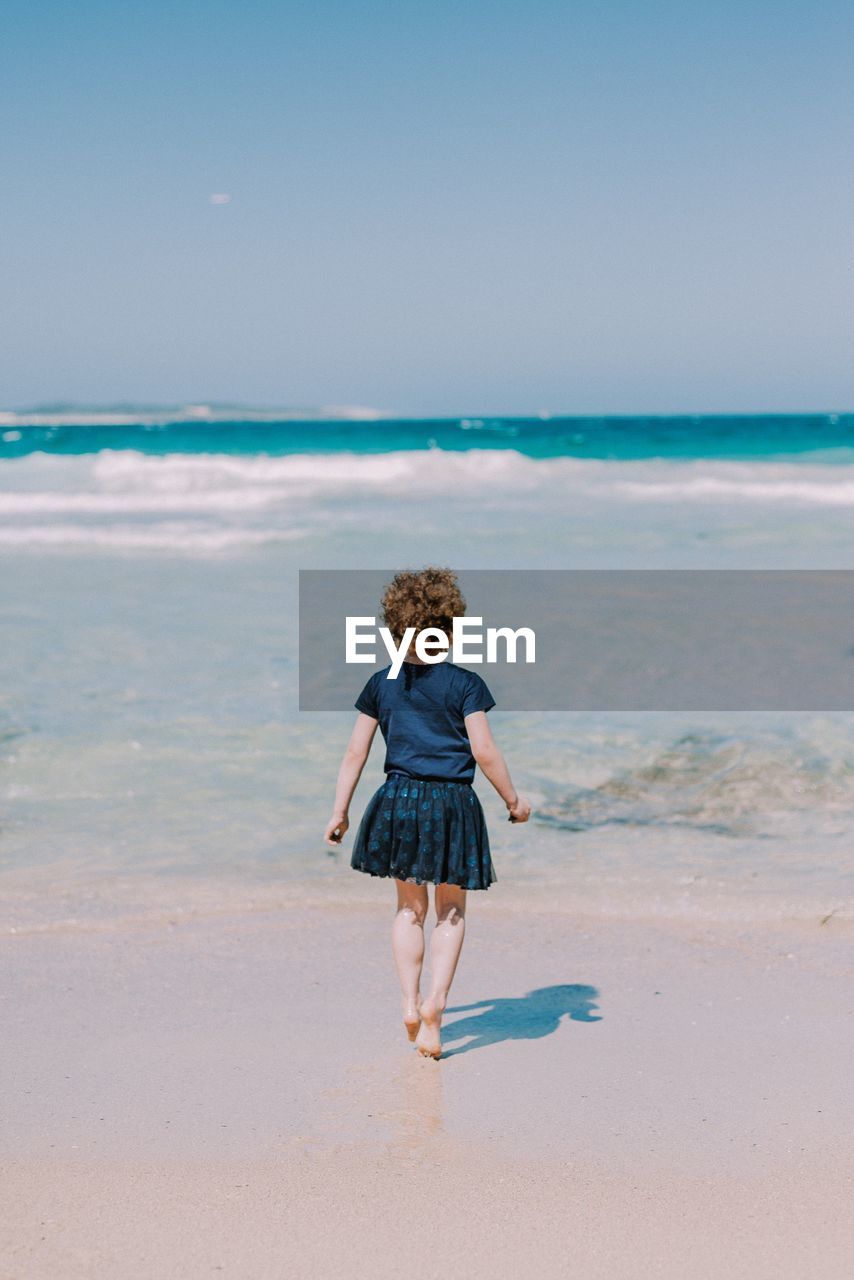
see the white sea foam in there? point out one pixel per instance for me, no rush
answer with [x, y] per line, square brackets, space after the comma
[168, 536]
[258, 479]
[476, 472]
[828, 490]
[213, 501]
[185, 473]
[137, 501]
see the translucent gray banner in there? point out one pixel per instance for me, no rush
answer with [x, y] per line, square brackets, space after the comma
[617, 640]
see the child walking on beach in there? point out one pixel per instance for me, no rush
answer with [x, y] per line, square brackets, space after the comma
[425, 823]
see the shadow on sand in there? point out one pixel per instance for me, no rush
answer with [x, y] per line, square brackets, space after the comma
[528, 1017]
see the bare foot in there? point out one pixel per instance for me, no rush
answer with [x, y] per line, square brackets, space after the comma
[412, 1020]
[428, 1042]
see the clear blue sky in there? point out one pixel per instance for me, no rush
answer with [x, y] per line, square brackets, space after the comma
[447, 207]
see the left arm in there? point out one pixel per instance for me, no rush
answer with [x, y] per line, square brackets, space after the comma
[491, 761]
[358, 750]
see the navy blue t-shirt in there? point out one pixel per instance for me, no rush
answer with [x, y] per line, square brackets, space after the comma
[422, 718]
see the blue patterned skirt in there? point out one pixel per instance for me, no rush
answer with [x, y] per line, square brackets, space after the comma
[421, 830]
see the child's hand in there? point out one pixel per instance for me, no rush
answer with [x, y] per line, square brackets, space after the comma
[520, 811]
[335, 829]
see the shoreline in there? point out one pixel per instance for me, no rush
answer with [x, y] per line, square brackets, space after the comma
[39, 901]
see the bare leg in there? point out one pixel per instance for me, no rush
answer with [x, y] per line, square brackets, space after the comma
[445, 947]
[407, 944]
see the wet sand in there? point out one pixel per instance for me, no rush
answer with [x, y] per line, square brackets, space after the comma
[235, 1095]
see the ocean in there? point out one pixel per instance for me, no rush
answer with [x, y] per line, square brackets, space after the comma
[152, 757]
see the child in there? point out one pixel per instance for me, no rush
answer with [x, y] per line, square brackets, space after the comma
[425, 822]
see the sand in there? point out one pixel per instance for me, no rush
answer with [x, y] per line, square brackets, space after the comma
[234, 1095]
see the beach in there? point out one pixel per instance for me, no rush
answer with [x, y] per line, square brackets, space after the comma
[648, 1046]
[234, 1094]
[336, 332]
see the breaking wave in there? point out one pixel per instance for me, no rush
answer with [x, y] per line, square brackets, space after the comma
[706, 782]
[212, 501]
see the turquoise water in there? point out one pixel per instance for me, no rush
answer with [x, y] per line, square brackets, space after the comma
[151, 751]
[756, 436]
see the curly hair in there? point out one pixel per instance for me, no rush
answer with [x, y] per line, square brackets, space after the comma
[422, 598]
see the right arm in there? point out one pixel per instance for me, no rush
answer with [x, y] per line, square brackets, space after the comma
[491, 762]
[352, 765]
